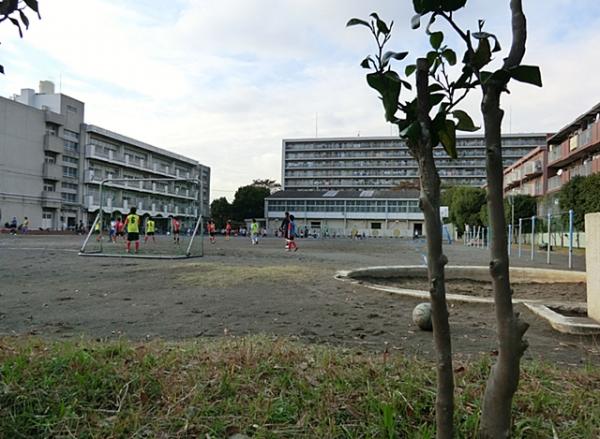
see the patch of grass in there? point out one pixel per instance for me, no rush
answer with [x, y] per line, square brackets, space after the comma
[265, 388]
[220, 275]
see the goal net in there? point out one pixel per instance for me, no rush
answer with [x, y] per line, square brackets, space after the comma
[168, 214]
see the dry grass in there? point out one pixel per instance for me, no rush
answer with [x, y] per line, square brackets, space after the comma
[265, 388]
[221, 275]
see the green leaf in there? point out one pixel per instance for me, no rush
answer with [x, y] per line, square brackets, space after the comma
[527, 74]
[483, 54]
[484, 75]
[450, 56]
[415, 21]
[412, 132]
[381, 26]
[396, 55]
[388, 85]
[366, 63]
[431, 57]
[481, 35]
[410, 69]
[452, 5]
[24, 19]
[1, 69]
[436, 39]
[406, 84]
[500, 75]
[435, 99]
[7, 7]
[434, 87]
[497, 47]
[33, 4]
[465, 123]
[16, 23]
[448, 138]
[357, 21]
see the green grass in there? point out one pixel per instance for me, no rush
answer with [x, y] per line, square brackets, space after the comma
[265, 388]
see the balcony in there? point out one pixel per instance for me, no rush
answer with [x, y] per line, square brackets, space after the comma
[52, 171]
[131, 162]
[555, 153]
[554, 183]
[56, 118]
[51, 200]
[142, 186]
[53, 143]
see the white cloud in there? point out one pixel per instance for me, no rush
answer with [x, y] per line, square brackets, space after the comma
[224, 82]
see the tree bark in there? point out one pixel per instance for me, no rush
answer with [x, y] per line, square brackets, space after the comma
[436, 260]
[496, 420]
[504, 377]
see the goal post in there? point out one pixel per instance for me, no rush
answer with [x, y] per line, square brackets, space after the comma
[174, 205]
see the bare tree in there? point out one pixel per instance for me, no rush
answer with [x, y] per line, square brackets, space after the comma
[496, 419]
[422, 134]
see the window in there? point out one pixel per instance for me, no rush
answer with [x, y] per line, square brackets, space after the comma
[72, 135]
[71, 146]
[71, 108]
[52, 129]
[315, 224]
[69, 172]
[376, 226]
[49, 186]
[70, 198]
[72, 160]
[72, 186]
[49, 158]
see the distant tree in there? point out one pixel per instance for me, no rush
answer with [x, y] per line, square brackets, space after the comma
[249, 202]
[464, 205]
[220, 211]
[10, 9]
[272, 185]
[525, 207]
[582, 194]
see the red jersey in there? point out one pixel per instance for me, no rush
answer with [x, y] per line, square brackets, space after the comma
[176, 225]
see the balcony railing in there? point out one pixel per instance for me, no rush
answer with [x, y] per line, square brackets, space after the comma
[554, 183]
[133, 162]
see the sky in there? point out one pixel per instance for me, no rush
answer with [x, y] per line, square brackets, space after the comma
[224, 82]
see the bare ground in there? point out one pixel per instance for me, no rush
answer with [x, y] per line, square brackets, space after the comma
[238, 289]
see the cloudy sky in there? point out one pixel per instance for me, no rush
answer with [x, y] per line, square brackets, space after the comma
[223, 82]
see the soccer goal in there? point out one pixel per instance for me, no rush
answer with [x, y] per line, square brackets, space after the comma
[170, 222]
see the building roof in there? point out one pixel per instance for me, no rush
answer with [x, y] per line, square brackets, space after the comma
[358, 138]
[566, 131]
[345, 195]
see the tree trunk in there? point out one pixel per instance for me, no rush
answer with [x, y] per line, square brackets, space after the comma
[436, 261]
[504, 377]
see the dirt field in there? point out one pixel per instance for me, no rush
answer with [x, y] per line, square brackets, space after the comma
[236, 289]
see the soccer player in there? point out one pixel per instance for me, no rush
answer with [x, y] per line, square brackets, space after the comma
[254, 232]
[228, 230]
[132, 223]
[113, 231]
[98, 230]
[291, 234]
[120, 227]
[212, 231]
[150, 229]
[284, 228]
[176, 229]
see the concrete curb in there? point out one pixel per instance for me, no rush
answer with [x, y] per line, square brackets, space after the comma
[564, 324]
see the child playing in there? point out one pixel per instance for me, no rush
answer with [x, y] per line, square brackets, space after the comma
[132, 222]
[254, 232]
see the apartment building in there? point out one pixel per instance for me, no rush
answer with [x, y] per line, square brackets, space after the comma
[372, 163]
[573, 150]
[51, 164]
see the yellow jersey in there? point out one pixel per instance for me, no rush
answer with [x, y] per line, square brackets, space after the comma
[133, 222]
[150, 226]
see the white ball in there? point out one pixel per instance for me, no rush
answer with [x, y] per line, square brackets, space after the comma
[421, 316]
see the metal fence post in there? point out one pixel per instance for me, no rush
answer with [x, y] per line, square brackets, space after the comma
[570, 238]
[509, 241]
[519, 240]
[532, 237]
[549, 239]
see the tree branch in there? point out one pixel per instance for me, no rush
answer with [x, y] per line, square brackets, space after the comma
[519, 33]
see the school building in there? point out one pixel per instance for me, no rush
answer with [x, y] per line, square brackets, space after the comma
[374, 213]
[52, 164]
